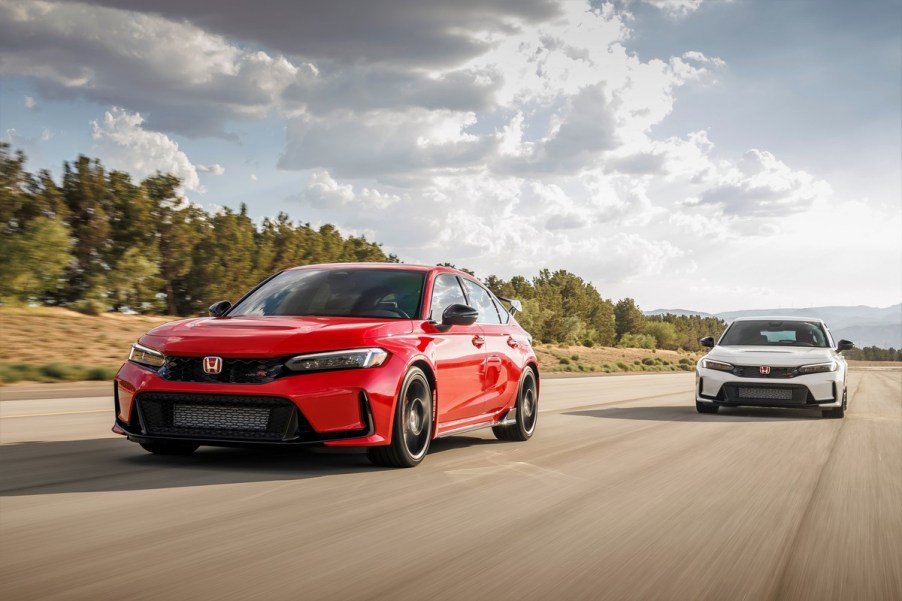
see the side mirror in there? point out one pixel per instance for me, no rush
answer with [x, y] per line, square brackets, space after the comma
[707, 341]
[844, 345]
[459, 315]
[219, 309]
[516, 307]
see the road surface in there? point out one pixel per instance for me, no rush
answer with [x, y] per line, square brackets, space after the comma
[625, 492]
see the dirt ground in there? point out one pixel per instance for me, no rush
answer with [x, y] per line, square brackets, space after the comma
[42, 335]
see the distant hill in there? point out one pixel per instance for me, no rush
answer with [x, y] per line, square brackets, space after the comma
[863, 325]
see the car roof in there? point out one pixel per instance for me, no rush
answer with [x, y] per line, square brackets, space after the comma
[779, 318]
[396, 266]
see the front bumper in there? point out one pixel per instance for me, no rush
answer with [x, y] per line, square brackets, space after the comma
[336, 408]
[812, 391]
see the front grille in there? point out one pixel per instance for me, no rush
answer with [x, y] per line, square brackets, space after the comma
[791, 394]
[229, 417]
[754, 371]
[234, 371]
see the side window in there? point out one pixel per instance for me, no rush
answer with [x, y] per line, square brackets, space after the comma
[482, 302]
[502, 312]
[445, 292]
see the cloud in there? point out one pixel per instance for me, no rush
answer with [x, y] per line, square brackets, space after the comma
[214, 169]
[762, 186]
[183, 78]
[122, 143]
[30, 104]
[423, 34]
[674, 7]
[323, 191]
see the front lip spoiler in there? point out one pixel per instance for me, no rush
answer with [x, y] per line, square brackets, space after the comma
[367, 431]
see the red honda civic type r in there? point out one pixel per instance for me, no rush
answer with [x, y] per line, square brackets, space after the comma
[377, 355]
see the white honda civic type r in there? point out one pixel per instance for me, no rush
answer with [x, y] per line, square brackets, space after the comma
[773, 362]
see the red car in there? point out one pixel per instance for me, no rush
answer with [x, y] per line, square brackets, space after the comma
[383, 356]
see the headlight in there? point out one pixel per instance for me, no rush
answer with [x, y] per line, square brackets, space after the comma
[718, 365]
[349, 359]
[816, 368]
[146, 356]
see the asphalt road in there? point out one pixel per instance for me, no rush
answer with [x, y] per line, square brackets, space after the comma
[625, 492]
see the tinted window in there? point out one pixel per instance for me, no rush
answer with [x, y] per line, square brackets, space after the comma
[482, 301]
[382, 293]
[775, 333]
[446, 291]
[505, 316]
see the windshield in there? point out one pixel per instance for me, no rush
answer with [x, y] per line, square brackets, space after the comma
[775, 333]
[334, 292]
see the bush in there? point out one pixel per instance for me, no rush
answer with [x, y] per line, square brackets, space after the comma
[637, 341]
[100, 373]
[623, 366]
[564, 361]
[575, 357]
[686, 361]
[648, 361]
[61, 371]
[90, 306]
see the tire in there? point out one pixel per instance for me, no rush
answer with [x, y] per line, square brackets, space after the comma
[706, 407]
[527, 411]
[839, 412]
[412, 426]
[169, 447]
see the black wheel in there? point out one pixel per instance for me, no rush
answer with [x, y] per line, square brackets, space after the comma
[526, 409]
[706, 407]
[839, 412]
[170, 447]
[412, 428]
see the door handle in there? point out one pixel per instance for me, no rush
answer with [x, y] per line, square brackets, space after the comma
[494, 359]
[478, 340]
[511, 342]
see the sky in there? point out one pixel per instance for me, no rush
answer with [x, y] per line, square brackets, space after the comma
[711, 155]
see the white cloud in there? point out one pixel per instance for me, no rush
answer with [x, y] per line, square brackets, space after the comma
[122, 143]
[214, 169]
[30, 103]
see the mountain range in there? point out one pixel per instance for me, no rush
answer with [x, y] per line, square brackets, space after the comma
[865, 326]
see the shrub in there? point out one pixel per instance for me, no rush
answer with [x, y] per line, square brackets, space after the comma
[564, 361]
[91, 306]
[623, 366]
[100, 373]
[61, 371]
[575, 357]
[648, 361]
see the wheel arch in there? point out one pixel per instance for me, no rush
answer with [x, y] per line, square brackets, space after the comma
[429, 371]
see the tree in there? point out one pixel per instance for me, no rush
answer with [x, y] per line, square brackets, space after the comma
[628, 318]
[35, 259]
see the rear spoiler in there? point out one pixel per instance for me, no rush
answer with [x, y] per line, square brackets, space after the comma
[516, 306]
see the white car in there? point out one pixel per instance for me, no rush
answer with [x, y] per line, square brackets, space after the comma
[773, 362]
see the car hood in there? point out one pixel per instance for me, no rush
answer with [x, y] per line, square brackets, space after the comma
[775, 357]
[252, 336]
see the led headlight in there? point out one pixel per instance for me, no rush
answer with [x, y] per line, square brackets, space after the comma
[717, 365]
[146, 356]
[349, 359]
[816, 368]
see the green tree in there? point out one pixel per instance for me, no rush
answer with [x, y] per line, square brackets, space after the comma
[628, 318]
[34, 259]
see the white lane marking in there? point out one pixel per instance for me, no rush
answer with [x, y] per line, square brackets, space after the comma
[55, 413]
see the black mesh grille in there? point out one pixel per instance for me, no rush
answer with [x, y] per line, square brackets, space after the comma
[234, 371]
[745, 394]
[228, 417]
[754, 371]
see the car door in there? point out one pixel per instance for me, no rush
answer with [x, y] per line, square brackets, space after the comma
[459, 355]
[502, 374]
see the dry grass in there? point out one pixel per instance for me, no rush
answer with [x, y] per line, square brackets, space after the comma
[41, 335]
[603, 359]
[45, 335]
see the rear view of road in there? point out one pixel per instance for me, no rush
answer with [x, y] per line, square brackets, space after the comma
[624, 493]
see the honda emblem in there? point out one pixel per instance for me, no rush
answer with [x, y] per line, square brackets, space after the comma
[212, 365]
[764, 370]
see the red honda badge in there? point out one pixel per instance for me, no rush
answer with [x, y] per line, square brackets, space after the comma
[764, 370]
[212, 365]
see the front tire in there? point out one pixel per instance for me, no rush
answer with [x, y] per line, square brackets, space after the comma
[169, 447]
[839, 412]
[706, 407]
[527, 411]
[412, 426]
